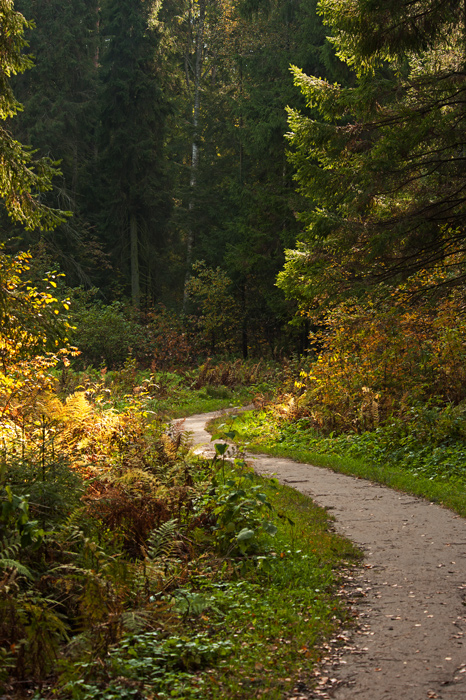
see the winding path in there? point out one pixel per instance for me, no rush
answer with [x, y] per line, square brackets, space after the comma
[411, 590]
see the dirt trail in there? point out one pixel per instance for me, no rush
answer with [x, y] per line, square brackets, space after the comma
[411, 591]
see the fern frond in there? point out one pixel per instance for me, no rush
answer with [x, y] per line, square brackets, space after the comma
[6, 563]
[162, 540]
[78, 408]
[52, 405]
[10, 550]
[178, 435]
[140, 479]
[135, 621]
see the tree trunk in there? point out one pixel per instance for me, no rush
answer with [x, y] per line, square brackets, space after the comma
[135, 288]
[198, 62]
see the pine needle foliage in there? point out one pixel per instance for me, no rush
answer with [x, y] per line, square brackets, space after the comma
[22, 178]
[380, 162]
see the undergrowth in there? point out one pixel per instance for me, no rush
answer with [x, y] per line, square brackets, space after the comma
[250, 624]
[169, 394]
[129, 567]
[163, 578]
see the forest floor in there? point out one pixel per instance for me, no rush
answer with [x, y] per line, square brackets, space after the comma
[409, 594]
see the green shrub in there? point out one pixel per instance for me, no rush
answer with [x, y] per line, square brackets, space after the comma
[105, 335]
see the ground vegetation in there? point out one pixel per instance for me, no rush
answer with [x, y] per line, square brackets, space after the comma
[129, 567]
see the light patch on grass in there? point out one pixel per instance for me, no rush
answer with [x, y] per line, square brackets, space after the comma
[260, 433]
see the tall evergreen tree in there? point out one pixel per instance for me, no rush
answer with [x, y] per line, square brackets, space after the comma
[383, 166]
[244, 207]
[58, 116]
[22, 179]
[133, 200]
[284, 32]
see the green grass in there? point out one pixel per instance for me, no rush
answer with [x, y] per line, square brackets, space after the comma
[259, 434]
[249, 626]
[282, 616]
[203, 400]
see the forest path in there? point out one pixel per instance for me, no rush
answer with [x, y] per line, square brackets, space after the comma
[410, 592]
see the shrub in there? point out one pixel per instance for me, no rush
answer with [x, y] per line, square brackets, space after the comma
[106, 335]
[375, 361]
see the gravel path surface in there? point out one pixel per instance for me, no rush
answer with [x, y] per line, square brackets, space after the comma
[410, 592]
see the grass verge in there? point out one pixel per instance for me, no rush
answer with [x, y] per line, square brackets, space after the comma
[200, 401]
[450, 494]
[282, 610]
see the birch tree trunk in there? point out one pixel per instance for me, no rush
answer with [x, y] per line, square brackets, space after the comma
[197, 78]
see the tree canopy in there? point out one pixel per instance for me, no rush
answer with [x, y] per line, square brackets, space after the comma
[169, 119]
[381, 162]
[22, 178]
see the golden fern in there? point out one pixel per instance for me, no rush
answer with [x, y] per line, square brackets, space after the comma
[139, 480]
[74, 411]
[80, 424]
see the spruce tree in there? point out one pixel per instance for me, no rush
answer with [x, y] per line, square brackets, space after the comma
[281, 33]
[243, 214]
[382, 165]
[58, 116]
[132, 192]
[22, 179]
